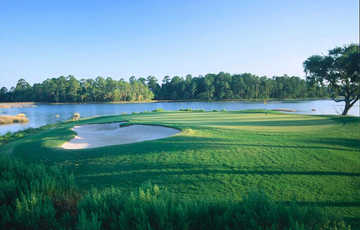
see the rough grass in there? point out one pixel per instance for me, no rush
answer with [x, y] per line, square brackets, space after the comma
[34, 196]
[312, 159]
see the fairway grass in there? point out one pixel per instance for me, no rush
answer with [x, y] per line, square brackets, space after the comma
[314, 160]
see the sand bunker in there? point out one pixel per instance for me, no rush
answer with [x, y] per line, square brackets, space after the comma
[97, 135]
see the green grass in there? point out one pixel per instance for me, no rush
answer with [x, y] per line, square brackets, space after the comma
[224, 155]
[35, 196]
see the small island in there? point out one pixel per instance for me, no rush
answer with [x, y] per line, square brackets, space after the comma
[10, 119]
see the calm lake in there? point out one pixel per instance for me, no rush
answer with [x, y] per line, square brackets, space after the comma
[44, 114]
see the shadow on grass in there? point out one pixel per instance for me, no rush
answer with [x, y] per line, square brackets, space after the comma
[123, 172]
[159, 168]
[354, 221]
[290, 146]
[269, 122]
[134, 174]
[346, 142]
[167, 145]
[328, 203]
[345, 120]
[175, 144]
[34, 145]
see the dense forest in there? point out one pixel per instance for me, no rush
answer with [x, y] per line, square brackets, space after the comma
[69, 89]
[219, 86]
[223, 86]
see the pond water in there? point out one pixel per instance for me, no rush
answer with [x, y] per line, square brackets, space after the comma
[44, 114]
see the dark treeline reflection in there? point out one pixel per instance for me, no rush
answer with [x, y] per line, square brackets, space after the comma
[209, 87]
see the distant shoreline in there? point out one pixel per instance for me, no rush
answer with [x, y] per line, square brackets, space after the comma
[8, 105]
[5, 105]
[10, 119]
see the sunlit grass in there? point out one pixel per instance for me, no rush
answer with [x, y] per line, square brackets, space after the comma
[314, 159]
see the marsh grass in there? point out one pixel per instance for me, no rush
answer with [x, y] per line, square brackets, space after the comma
[19, 118]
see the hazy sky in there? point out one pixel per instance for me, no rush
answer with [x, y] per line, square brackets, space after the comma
[42, 39]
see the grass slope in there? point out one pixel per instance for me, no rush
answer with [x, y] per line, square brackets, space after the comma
[312, 159]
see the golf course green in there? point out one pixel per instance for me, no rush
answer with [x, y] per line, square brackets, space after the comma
[314, 160]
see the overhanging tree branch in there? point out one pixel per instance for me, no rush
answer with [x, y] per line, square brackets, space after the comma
[338, 69]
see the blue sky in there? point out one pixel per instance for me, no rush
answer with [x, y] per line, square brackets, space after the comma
[42, 39]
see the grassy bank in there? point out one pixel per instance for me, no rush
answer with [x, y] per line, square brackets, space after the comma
[313, 160]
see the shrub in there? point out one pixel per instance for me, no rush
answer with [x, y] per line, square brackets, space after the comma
[192, 110]
[186, 110]
[35, 196]
[76, 116]
[151, 207]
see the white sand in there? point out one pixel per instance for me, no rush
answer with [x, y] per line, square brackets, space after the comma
[97, 135]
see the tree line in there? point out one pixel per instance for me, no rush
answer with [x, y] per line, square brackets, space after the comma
[224, 86]
[219, 86]
[69, 89]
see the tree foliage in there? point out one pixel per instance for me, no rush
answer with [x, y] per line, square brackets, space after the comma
[340, 71]
[69, 89]
[221, 86]
[224, 86]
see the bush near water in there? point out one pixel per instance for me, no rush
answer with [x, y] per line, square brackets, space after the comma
[76, 116]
